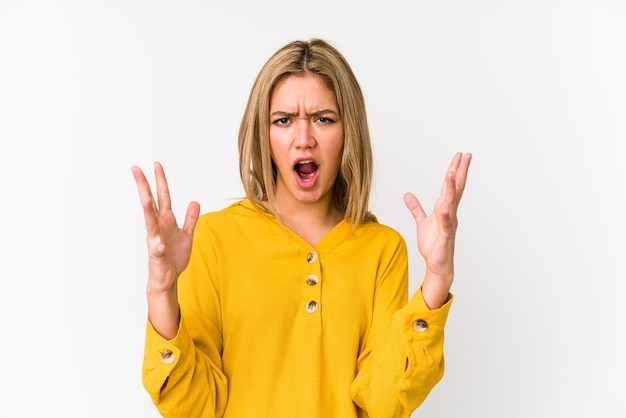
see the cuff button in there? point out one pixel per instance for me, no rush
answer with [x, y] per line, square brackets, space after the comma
[420, 325]
[167, 357]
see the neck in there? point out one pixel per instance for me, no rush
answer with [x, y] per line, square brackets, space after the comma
[310, 220]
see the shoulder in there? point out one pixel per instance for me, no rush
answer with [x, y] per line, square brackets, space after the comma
[234, 209]
[239, 213]
[378, 237]
[372, 228]
[378, 246]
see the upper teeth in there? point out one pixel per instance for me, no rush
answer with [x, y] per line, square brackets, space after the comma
[305, 162]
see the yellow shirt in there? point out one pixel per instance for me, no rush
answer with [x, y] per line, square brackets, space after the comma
[272, 327]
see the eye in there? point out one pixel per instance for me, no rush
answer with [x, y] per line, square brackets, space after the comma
[324, 120]
[281, 121]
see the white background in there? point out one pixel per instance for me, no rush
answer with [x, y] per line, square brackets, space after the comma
[534, 89]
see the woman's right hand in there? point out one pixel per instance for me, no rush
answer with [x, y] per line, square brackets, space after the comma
[169, 248]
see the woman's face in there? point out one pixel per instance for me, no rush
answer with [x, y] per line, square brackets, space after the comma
[306, 139]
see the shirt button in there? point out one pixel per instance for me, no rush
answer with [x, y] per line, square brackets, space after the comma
[167, 357]
[311, 306]
[312, 280]
[311, 257]
[420, 325]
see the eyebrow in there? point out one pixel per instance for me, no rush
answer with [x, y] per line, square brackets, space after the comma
[318, 113]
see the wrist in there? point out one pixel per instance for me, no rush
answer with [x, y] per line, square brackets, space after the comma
[436, 289]
[164, 313]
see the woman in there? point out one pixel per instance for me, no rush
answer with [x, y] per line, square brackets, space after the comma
[293, 301]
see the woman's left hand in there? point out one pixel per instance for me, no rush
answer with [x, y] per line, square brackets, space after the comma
[436, 232]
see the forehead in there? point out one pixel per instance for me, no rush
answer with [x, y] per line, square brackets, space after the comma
[307, 89]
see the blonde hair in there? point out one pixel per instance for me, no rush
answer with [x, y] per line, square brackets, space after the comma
[258, 174]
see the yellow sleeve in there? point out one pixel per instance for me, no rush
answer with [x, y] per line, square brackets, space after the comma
[403, 359]
[181, 381]
[419, 335]
[184, 376]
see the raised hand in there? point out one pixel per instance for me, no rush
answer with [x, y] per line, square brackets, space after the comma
[169, 248]
[436, 232]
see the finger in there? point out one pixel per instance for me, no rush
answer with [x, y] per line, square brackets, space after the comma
[448, 222]
[191, 217]
[450, 189]
[142, 184]
[454, 165]
[145, 192]
[461, 175]
[163, 191]
[414, 207]
[147, 202]
[456, 177]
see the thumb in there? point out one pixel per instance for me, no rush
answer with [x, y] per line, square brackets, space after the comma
[414, 207]
[191, 217]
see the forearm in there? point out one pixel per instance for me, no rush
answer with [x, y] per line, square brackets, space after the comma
[399, 372]
[182, 380]
[164, 312]
[436, 289]
[419, 335]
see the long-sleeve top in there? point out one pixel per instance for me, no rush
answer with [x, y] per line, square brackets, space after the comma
[273, 327]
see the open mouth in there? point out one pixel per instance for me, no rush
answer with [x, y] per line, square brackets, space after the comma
[306, 170]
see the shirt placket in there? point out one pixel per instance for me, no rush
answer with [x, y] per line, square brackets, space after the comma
[312, 281]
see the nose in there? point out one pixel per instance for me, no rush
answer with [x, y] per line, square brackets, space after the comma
[305, 138]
